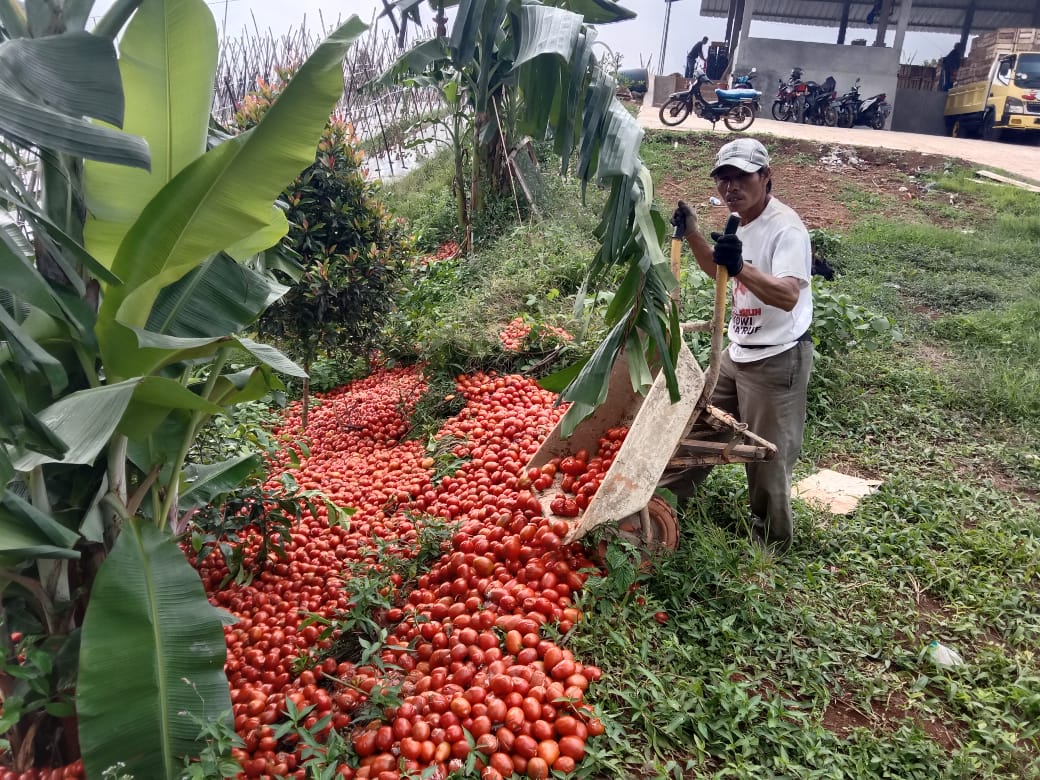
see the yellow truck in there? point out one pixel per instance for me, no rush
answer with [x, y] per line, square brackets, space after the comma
[1007, 100]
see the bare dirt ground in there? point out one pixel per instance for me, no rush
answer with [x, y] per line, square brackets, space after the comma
[1017, 159]
[807, 174]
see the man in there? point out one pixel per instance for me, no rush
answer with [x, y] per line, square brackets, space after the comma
[696, 55]
[951, 63]
[764, 372]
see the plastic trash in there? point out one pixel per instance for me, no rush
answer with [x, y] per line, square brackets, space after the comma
[943, 655]
[714, 201]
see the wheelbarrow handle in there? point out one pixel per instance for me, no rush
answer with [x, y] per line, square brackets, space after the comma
[678, 234]
[718, 320]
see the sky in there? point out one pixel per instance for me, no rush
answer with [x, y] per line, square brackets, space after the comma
[638, 41]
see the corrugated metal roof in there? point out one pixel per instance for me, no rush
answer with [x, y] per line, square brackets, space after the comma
[925, 15]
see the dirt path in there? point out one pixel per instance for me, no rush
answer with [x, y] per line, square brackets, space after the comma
[1017, 159]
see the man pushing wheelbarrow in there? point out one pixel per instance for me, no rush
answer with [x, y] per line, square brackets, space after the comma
[753, 393]
[764, 374]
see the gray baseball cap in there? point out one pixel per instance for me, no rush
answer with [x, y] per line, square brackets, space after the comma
[747, 154]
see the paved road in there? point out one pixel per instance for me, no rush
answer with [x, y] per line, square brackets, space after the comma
[1018, 159]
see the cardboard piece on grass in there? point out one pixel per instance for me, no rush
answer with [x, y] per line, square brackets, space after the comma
[836, 492]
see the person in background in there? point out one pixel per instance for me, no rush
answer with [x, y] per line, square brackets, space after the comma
[695, 56]
[764, 373]
[950, 65]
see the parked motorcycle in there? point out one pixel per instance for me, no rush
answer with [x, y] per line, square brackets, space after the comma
[736, 107]
[817, 104]
[854, 110]
[785, 103]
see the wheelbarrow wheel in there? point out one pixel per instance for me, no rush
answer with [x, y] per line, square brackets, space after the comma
[653, 530]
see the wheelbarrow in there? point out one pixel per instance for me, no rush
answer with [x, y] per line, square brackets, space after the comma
[664, 439]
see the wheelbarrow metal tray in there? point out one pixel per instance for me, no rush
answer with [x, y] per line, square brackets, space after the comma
[655, 428]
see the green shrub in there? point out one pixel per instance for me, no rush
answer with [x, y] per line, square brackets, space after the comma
[839, 324]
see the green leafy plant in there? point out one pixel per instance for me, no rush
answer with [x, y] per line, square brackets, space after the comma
[40, 674]
[530, 67]
[841, 324]
[216, 760]
[117, 332]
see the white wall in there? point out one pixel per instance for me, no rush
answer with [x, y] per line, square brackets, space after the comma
[876, 67]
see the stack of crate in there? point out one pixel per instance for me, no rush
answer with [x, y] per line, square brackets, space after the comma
[985, 47]
[922, 77]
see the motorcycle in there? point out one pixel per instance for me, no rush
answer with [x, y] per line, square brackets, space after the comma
[736, 107]
[816, 106]
[854, 110]
[786, 101]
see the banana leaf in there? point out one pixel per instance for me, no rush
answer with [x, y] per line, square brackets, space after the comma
[158, 350]
[115, 17]
[74, 73]
[204, 484]
[265, 238]
[167, 58]
[18, 425]
[221, 198]
[28, 533]
[464, 31]
[249, 384]
[589, 387]
[546, 30]
[28, 354]
[12, 17]
[217, 298]
[154, 400]
[48, 85]
[414, 61]
[597, 11]
[87, 419]
[152, 652]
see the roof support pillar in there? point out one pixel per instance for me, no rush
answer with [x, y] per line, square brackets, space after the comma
[843, 26]
[738, 25]
[969, 17]
[902, 23]
[882, 22]
[747, 10]
[733, 11]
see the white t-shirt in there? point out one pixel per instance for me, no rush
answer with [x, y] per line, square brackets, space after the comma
[775, 242]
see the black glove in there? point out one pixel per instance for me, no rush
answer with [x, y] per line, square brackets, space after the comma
[684, 218]
[728, 248]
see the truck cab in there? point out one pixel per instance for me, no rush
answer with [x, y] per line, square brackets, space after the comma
[1007, 101]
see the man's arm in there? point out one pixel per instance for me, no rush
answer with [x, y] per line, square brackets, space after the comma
[780, 292]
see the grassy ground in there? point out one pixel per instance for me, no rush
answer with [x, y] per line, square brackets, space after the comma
[455, 309]
[816, 663]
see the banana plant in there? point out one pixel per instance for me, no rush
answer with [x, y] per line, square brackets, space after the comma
[113, 356]
[540, 55]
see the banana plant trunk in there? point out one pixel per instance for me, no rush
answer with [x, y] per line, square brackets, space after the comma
[462, 212]
[480, 165]
[306, 392]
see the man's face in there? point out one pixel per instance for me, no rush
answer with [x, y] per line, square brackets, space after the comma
[744, 193]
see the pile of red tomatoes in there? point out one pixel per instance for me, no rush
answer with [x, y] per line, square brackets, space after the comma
[520, 336]
[577, 477]
[471, 669]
